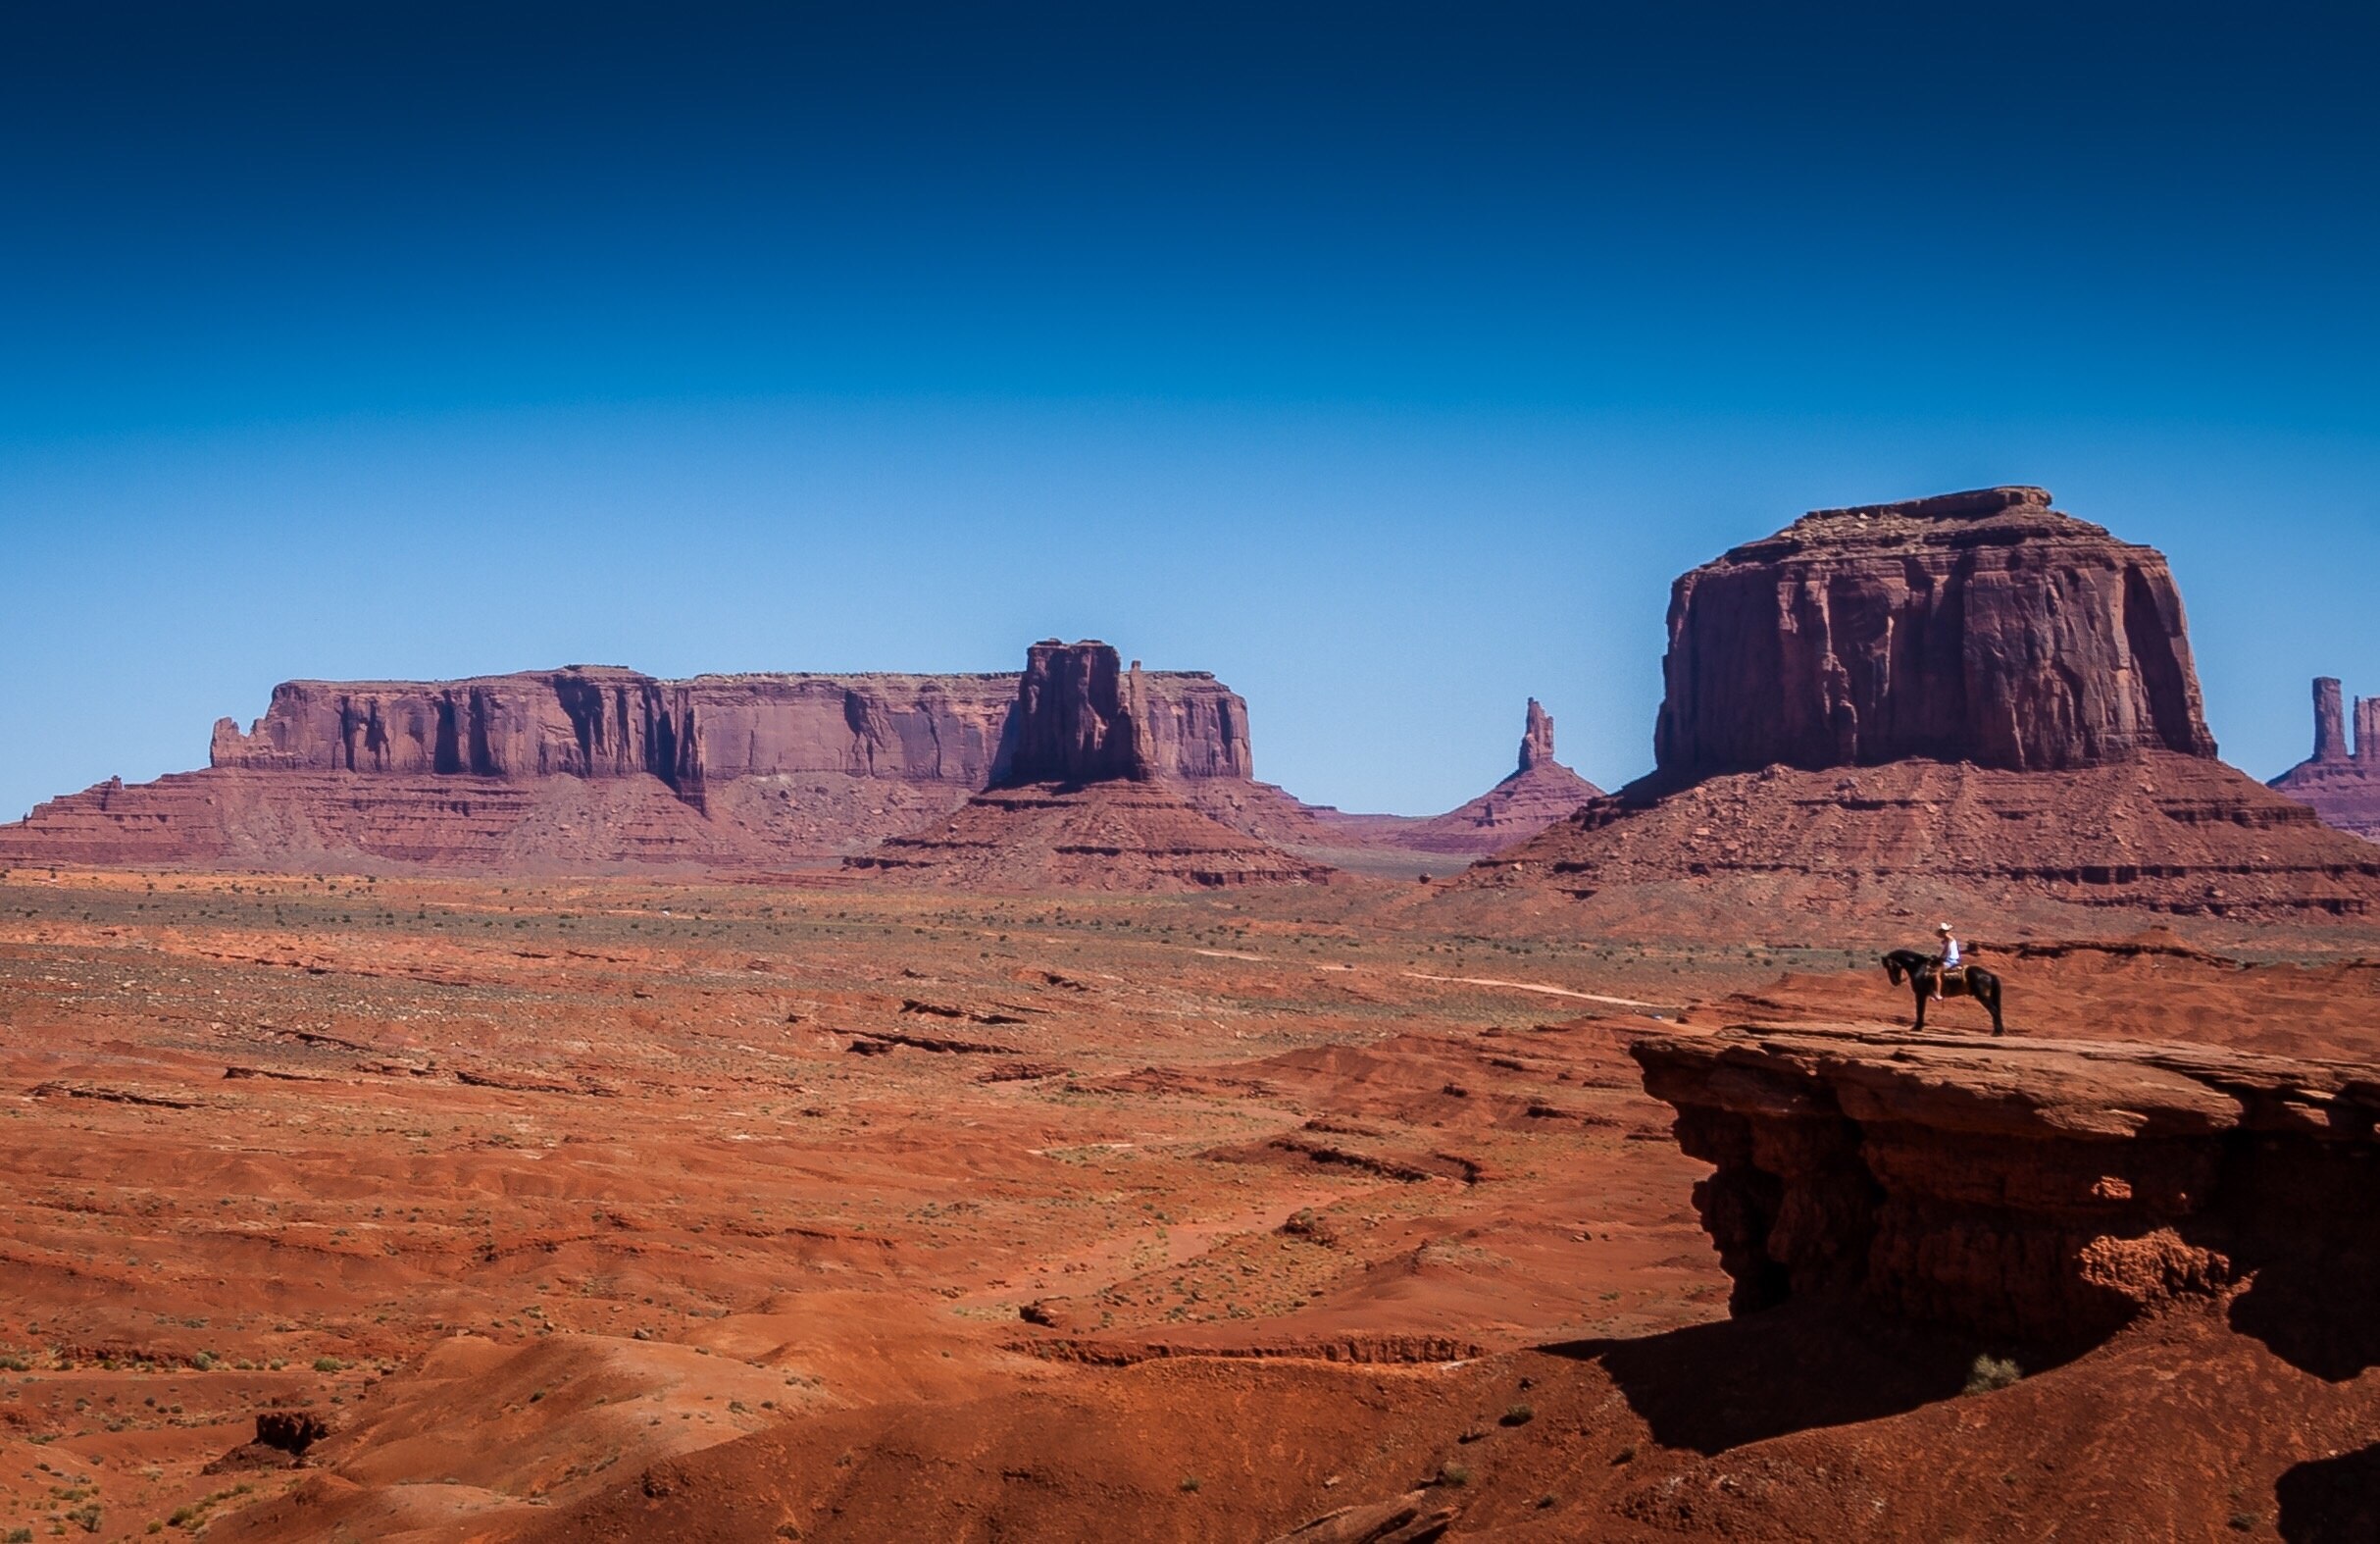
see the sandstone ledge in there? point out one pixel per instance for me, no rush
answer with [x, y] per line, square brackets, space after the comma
[2048, 1190]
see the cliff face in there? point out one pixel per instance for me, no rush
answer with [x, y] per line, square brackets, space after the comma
[597, 722]
[2048, 1190]
[2339, 782]
[1981, 627]
[597, 768]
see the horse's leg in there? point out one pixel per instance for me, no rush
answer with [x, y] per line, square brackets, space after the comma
[1993, 1003]
[1925, 990]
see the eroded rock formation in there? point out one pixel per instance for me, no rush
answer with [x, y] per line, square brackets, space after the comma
[2339, 782]
[1981, 627]
[1539, 793]
[1973, 690]
[1087, 800]
[2043, 1190]
[596, 767]
[1081, 718]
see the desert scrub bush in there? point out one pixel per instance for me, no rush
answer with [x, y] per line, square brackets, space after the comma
[329, 1364]
[1453, 1474]
[1189, 1484]
[1989, 1372]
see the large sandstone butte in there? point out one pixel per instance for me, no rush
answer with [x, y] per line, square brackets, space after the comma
[1972, 693]
[2339, 780]
[1087, 802]
[1981, 627]
[594, 767]
[2047, 1190]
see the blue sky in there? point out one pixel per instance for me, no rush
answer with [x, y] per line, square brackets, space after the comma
[1387, 360]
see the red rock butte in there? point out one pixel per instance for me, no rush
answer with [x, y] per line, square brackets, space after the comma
[1981, 627]
[1084, 802]
[1973, 690]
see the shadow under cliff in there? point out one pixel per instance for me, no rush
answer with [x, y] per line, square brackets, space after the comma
[2331, 1501]
[1803, 1363]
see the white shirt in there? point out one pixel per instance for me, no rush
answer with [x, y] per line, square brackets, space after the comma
[1949, 954]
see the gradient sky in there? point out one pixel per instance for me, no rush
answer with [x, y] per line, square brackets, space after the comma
[1387, 360]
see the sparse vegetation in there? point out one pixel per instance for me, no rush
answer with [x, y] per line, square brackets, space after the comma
[1989, 1372]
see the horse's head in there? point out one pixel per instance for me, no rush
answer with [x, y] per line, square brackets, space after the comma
[1892, 968]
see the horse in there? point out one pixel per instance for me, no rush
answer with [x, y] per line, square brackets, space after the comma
[1920, 969]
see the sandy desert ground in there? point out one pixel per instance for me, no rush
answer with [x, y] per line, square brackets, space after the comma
[630, 1210]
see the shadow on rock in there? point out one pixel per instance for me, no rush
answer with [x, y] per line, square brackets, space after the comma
[2309, 1297]
[2331, 1501]
[1712, 1387]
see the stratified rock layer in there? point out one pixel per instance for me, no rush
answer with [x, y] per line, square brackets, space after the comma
[2046, 1189]
[2339, 782]
[596, 768]
[1979, 627]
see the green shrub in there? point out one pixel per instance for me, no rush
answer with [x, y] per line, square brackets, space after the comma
[1990, 1372]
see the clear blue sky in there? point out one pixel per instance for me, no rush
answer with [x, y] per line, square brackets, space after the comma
[1387, 360]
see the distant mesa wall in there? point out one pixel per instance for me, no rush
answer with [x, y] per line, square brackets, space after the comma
[603, 722]
[1982, 627]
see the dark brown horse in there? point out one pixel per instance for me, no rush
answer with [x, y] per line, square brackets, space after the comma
[1920, 969]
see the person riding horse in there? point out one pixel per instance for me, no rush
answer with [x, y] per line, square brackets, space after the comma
[1929, 981]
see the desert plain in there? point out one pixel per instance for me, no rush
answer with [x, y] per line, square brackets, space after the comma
[640, 1209]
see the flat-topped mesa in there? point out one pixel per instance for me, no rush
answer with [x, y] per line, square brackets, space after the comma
[1982, 627]
[604, 722]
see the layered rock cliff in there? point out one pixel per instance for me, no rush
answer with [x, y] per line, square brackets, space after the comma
[1973, 691]
[1981, 627]
[1088, 800]
[2339, 782]
[597, 721]
[596, 767]
[2040, 1189]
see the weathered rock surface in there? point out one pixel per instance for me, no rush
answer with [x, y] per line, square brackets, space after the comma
[2339, 782]
[1539, 793]
[1085, 801]
[1081, 718]
[2044, 1190]
[1982, 627]
[598, 768]
[598, 721]
[1973, 690]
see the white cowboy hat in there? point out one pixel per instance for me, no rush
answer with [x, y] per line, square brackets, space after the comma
[1945, 928]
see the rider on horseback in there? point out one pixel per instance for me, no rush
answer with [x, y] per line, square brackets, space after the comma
[1948, 960]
